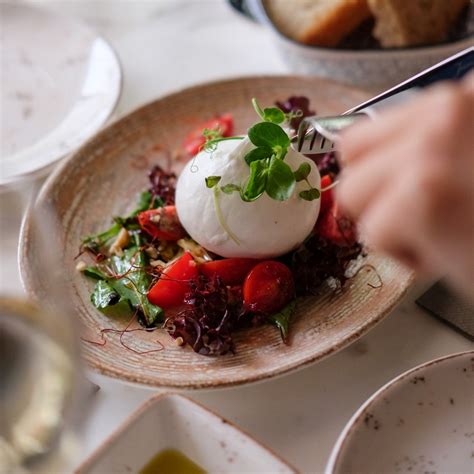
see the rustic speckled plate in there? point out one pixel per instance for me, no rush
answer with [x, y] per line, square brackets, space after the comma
[420, 422]
[102, 179]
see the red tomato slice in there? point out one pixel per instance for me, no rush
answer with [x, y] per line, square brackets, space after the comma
[336, 228]
[170, 289]
[327, 197]
[231, 271]
[195, 140]
[162, 223]
[268, 287]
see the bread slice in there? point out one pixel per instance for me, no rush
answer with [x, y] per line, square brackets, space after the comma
[414, 22]
[317, 22]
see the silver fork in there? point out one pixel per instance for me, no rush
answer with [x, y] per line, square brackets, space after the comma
[319, 134]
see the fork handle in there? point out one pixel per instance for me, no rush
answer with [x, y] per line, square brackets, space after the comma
[452, 68]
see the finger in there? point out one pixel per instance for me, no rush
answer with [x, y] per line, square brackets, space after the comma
[360, 139]
[395, 121]
[394, 224]
[364, 181]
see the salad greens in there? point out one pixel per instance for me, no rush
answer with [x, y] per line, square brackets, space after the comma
[123, 282]
[282, 319]
[145, 201]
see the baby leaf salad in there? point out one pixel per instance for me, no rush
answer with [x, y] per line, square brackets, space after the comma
[146, 266]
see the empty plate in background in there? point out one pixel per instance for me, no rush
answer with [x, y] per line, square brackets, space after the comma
[420, 422]
[60, 83]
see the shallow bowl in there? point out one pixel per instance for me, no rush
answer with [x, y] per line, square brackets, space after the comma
[102, 179]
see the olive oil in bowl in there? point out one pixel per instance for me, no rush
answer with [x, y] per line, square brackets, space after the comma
[171, 461]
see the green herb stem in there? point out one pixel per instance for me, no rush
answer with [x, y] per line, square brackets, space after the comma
[220, 217]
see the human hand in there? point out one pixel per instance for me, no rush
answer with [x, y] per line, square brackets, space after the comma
[408, 179]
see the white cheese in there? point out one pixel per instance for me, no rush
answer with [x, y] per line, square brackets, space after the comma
[263, 228]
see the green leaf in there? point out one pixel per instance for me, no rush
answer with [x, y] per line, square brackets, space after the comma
[282, 320]
[270, 135]
[257, 180]
[104, 295]
[269, 114]
[310, 194]
[94, 272]
[302, 172]
[211, 181]
[259, 153]
[109, 302]
[145, 202]
[230, 188]
[281, 180]
[273, 114]
[134, 283]
[103, 237]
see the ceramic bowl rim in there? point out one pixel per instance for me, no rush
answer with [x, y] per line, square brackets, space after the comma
[144, 407]
[335, 457]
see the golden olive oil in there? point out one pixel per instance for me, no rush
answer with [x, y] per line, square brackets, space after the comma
[170, 461]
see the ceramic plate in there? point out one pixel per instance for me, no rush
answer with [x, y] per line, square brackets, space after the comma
[53, 98]
[102, 179]
[421, 422]
[176, 422]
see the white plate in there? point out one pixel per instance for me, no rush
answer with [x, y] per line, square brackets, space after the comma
[420, 422]
[176, 422]
[60, 83]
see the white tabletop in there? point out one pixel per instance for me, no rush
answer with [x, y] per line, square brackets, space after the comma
[166, 45]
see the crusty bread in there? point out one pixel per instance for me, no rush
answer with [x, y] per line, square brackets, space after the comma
[414, 22]
[317, 22]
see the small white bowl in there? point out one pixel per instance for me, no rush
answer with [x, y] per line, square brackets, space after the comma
[376, 68]
[176, 422]
[420, 422]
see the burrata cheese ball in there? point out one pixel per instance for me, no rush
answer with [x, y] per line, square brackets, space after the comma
[263, 228]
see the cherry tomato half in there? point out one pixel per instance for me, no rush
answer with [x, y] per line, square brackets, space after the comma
[336, 228]
[327, 197]
[170, 289]
[231, 271]
[162, 223]
[195, 139]
[268, 287]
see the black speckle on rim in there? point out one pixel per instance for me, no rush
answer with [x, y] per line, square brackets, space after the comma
[371, 422]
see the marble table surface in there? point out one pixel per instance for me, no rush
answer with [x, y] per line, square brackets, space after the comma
[166, 45]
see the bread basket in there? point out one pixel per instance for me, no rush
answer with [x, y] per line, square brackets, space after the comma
[372, 68]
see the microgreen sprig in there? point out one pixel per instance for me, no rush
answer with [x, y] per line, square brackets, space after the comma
[269, 173]
[213, 137]
[301, 174]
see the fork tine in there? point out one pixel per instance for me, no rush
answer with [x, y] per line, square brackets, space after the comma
[323, 141]
[313, 139]
[302, 129]
[318, 134]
